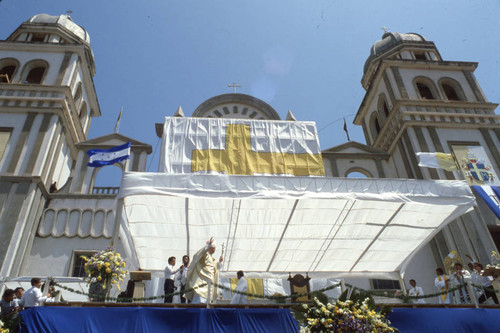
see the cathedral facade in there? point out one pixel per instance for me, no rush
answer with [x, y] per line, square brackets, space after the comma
[51, 211]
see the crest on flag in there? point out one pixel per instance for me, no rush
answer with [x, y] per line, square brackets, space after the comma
[475, 165]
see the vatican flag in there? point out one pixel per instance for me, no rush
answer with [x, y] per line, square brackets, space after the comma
[240, 147]
[437, 160]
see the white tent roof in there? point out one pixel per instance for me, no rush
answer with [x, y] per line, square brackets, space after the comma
[277, 225]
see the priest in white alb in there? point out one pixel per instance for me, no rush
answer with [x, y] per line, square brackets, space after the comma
[241, 287]
[203, 271]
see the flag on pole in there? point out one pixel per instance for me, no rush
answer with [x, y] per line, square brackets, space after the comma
[346, 131]
[437, 160]
[102, 157]
[117, 126]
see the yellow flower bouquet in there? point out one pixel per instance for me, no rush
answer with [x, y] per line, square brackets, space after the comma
[106, 267]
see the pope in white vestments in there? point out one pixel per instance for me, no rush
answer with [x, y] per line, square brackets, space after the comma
[242, 286]
[204, 269]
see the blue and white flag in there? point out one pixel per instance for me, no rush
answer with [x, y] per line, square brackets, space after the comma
[491, 196]
[102, 157]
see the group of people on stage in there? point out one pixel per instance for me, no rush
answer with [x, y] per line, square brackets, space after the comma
[444, 283]
[199, 277]
[15, 300]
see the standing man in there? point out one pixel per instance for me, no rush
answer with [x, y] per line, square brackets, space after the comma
[242, 286]
[170, 272]
[182, 276]
[416, 291]
[442, 283]
[459, 278]
[33, 296]
[203, 271]
[485, 281]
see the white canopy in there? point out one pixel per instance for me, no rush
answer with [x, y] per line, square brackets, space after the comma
[276, 225]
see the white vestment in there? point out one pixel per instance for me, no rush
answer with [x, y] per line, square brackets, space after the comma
[242, 286]
[417, 291]
[441, 283]
[204, 269]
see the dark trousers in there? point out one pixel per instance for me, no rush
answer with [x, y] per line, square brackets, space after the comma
[183, 299]
[168, 288]
[488, 293]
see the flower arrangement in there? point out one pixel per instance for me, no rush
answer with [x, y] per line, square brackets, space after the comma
[3, 330]
[344, 316]
[107, 267]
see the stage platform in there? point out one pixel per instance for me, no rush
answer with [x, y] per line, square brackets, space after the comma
[150, 318]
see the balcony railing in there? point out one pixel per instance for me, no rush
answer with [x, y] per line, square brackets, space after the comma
[105, 190]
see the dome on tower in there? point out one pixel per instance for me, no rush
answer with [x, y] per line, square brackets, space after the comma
[64, 21]
[388, 41]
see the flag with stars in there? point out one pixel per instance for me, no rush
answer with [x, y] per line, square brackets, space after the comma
[102, 157]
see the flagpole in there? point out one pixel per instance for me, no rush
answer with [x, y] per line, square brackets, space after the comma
[117, 126]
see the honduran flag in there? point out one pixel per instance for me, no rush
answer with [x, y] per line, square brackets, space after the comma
[491, 196]
[102, 157]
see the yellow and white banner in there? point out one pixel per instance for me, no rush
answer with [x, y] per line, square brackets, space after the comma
[436, 160]
[240, 147]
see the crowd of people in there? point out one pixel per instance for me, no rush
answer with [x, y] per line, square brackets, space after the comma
[483, 288]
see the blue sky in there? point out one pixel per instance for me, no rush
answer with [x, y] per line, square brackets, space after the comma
[304, 56]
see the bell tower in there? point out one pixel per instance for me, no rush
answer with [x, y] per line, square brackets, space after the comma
[417, 102]
[47, 102]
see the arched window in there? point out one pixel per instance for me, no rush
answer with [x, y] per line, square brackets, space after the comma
[357, 172]
[452, 89]
[83, 113]
[78, 95]
[375, 125]
[35, 75]
[107, 180]
[34, 72]
[7, 69]
[383, 108]
[426, 89]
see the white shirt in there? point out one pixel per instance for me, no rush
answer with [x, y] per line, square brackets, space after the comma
[417, 291]
[242, 286]
[32, 297]
[485, 281]
[170, 272]
[182, 276]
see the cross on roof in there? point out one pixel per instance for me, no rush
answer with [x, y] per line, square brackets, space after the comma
[234, 86]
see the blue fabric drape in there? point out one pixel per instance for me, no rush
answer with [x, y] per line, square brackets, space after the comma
[150, 320]
[445, 320]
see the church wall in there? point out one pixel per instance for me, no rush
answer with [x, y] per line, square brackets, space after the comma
[54, 256]
[29, 144]
[16, 122]
[399, 166]
[422, 268]
[62, 169]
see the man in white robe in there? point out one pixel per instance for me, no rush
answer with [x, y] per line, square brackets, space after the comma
[416, 291]
[242, 286]
[442, 282]
[202, 271]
